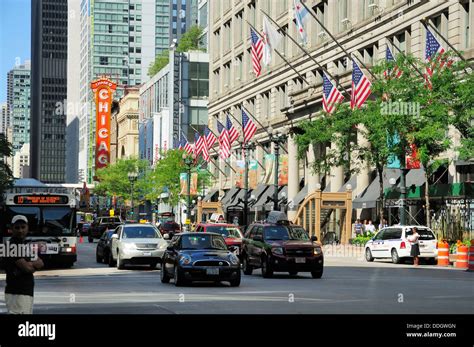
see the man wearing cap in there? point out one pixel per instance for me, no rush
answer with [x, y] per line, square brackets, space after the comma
[20, 282]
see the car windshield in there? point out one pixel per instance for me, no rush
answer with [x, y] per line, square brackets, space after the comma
[425, 234]
[298, 234]
[276, 233]
[230, 232]
[110, 221]
[140, 232]
[203, 242]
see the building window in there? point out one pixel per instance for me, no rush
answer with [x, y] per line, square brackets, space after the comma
[367, 54]
[227, 36]
[265, 105]
[467, 18]
[227, 75]
[321, 11]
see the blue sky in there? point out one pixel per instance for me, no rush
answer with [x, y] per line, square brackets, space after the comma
[15, 37]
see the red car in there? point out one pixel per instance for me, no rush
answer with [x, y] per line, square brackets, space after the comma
[231, 233]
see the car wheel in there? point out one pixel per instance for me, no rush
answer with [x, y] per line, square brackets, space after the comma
[97, 257]
[247, 267]
[368, 255]
[120, 265]
[317, 273]
[293, 273]
[111, 260]
[395, 257]
[178, 278]
[236, 282]
[267, 270]
[163, 275]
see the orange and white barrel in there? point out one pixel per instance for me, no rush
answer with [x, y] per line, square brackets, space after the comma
[471, 257]
[462, 257]
[443, 253]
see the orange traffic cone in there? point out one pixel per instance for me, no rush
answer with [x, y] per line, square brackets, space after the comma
[81, 239]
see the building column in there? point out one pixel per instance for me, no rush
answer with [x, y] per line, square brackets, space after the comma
[293, 175]
[311, 178]
[337, 174]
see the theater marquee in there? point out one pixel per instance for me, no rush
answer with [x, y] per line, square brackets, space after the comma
[103, 90]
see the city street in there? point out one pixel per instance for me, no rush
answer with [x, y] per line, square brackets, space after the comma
[349, 285]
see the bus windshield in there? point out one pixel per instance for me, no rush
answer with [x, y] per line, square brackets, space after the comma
[43, 220]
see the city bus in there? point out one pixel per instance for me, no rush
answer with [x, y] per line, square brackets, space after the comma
[51, 213]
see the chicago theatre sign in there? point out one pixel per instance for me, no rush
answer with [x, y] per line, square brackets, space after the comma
[103, 89]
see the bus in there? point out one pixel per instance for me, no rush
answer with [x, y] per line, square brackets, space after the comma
[51, 213]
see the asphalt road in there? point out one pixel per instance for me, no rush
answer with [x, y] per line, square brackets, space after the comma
[349, 285]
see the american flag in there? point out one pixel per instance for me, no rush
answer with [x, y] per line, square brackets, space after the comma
[198, 144]
[433, 47]
[396, 71]
[224, 144]
[248, 127]
[360, 86]
[257, 52]
[210, 137]
[233, 133]
[331, 95]
[185, 144]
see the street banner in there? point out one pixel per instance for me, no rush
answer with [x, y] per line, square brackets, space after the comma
[283, 170]
[253, 178]
[393, 162]
[269, 165]
[412, 158]
[194, 183]
[103, 89]
[183, 180]
[239, 176]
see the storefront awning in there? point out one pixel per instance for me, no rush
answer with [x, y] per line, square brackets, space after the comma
[229, 196]
[212, 194]
[283, 191]
[300, 196]
[369, 197]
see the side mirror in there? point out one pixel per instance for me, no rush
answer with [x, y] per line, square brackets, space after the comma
[114, 236]
[166, 236]
[314, 238]
[258, 238]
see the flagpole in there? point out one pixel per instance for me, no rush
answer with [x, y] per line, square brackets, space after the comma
[309, 55]
[337, 42]
[411, 63]
[261, 125]
[263, 147]
[427, 22]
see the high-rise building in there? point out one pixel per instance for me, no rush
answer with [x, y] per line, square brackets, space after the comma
[203, 22]
[49, 36]
[18, 104]
[5, 118]
[184, 14]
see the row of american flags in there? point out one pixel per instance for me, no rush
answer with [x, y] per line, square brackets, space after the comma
[227, 135]
[360, 92]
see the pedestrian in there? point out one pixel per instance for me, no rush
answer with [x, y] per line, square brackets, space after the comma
[383, 224]
[364, 224]
[19, 269]
[370, 228]
[358, 228]
[415, 247]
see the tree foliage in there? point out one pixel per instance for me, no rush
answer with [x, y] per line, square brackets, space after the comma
[190, 40]
[160, 62]
[6, 175]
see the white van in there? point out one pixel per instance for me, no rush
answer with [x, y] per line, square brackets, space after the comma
[391, 242]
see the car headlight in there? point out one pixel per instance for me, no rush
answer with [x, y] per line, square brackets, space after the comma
[185, 259]
[277, 250]
[317, 251]
[128, 246]
[233, 259]
[163, 245]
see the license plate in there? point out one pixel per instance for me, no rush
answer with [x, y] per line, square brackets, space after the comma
[51, 248]
[300, 260]
[422, 246]
[212, 271]
[147, 254]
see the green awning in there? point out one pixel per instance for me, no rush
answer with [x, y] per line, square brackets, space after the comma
[437, 191]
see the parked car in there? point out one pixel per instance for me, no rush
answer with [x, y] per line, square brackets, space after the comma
[199, 257]
[275, 245]
[391, 242]
[83, 228]
[102, 224]
[137, 244]
[170, 228]
[230, 232]
[102, 253]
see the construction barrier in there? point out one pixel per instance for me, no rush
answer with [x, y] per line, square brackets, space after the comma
[461, 257]
[443, 253]
[471, 256]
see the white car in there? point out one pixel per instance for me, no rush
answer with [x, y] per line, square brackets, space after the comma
[137, 244]
[391, 242]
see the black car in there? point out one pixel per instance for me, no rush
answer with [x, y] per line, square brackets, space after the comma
[199, 257]
[102, 224]
[278, 246]
[170, 228]
[102, 253]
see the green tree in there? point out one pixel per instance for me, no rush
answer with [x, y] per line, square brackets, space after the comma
[6, 175]
[190, 40]
[160, 62]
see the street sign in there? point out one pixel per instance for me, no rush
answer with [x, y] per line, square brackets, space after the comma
[188, 221]
[111, 213]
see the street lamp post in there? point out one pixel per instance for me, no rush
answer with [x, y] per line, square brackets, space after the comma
[188, 162]
[278, 140]
[132, 177]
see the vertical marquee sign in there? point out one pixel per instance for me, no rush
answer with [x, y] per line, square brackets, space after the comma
[103, 89]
